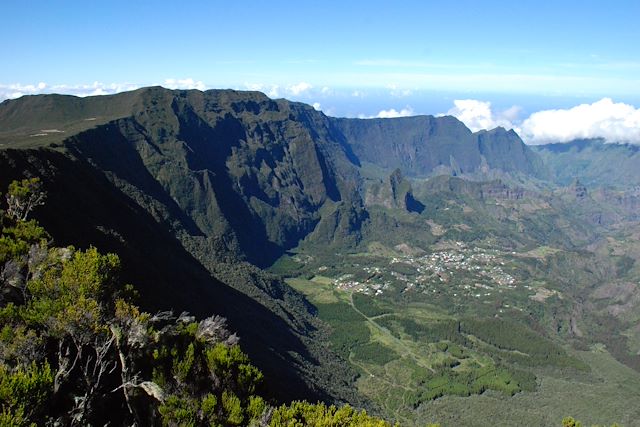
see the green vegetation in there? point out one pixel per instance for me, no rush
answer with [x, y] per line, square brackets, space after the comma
[376, 353]
[414, 342]
[369, 306]
[446, 381]
[320, 415]
[570, 422]
[591, 161]
[349, 328]
[523, 345]
[74, 349]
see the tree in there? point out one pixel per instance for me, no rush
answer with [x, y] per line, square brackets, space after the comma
[23, 196]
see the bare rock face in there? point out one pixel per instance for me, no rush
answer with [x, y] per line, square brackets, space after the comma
[424, 145]
[578, 189]
[396, 193]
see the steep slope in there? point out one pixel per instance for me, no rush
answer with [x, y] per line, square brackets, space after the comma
[504, 150]
[395, 193]
[39, 120]
[238, 171]
[239, 174]
[186, 185]
[275, 325]
[425, 145]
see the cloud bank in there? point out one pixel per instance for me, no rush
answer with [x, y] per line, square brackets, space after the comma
[616, 122]
[293, 90]
[299, 88]
[613, 121]
[392, 113]
[477, 115]
[16, 90]
[184, 84]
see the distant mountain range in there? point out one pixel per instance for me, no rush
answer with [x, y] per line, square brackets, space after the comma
[592, 161]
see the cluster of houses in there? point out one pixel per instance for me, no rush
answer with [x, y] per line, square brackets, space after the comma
[474, 272]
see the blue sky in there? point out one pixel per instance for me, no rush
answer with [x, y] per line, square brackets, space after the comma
[349, 58]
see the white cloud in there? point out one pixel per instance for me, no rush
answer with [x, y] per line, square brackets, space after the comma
[613, 121]
[299, 88]
[511, 114]
[296, 89]
[392, 113]
[12, 91]
[184, 84]
[316, 106]
[477, 115]
[272, 91]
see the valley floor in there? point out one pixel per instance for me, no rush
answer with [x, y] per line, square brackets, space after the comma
[441, 336]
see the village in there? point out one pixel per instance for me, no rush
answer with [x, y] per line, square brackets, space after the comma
[458, 271]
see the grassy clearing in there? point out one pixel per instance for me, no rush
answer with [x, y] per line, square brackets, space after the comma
[316, 291]
[322, 280]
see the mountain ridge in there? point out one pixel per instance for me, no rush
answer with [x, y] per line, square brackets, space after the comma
[258, 171]
[594, 161]
[426, 142]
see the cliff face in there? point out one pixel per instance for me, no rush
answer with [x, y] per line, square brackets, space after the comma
[186, 187]
[233, 171]
[239, 174]
[504, 150]
[416, 145]
[84, 208]
[425, 145]
[395, 193]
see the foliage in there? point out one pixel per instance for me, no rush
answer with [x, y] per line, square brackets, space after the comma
[512, 336]
[446, 381]
[24, 392]
[72, 349]
[376, 353]
[299, 414]
[75, 350]
[571, 422]
[349, 327]
[368, 305]
[23, 196]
